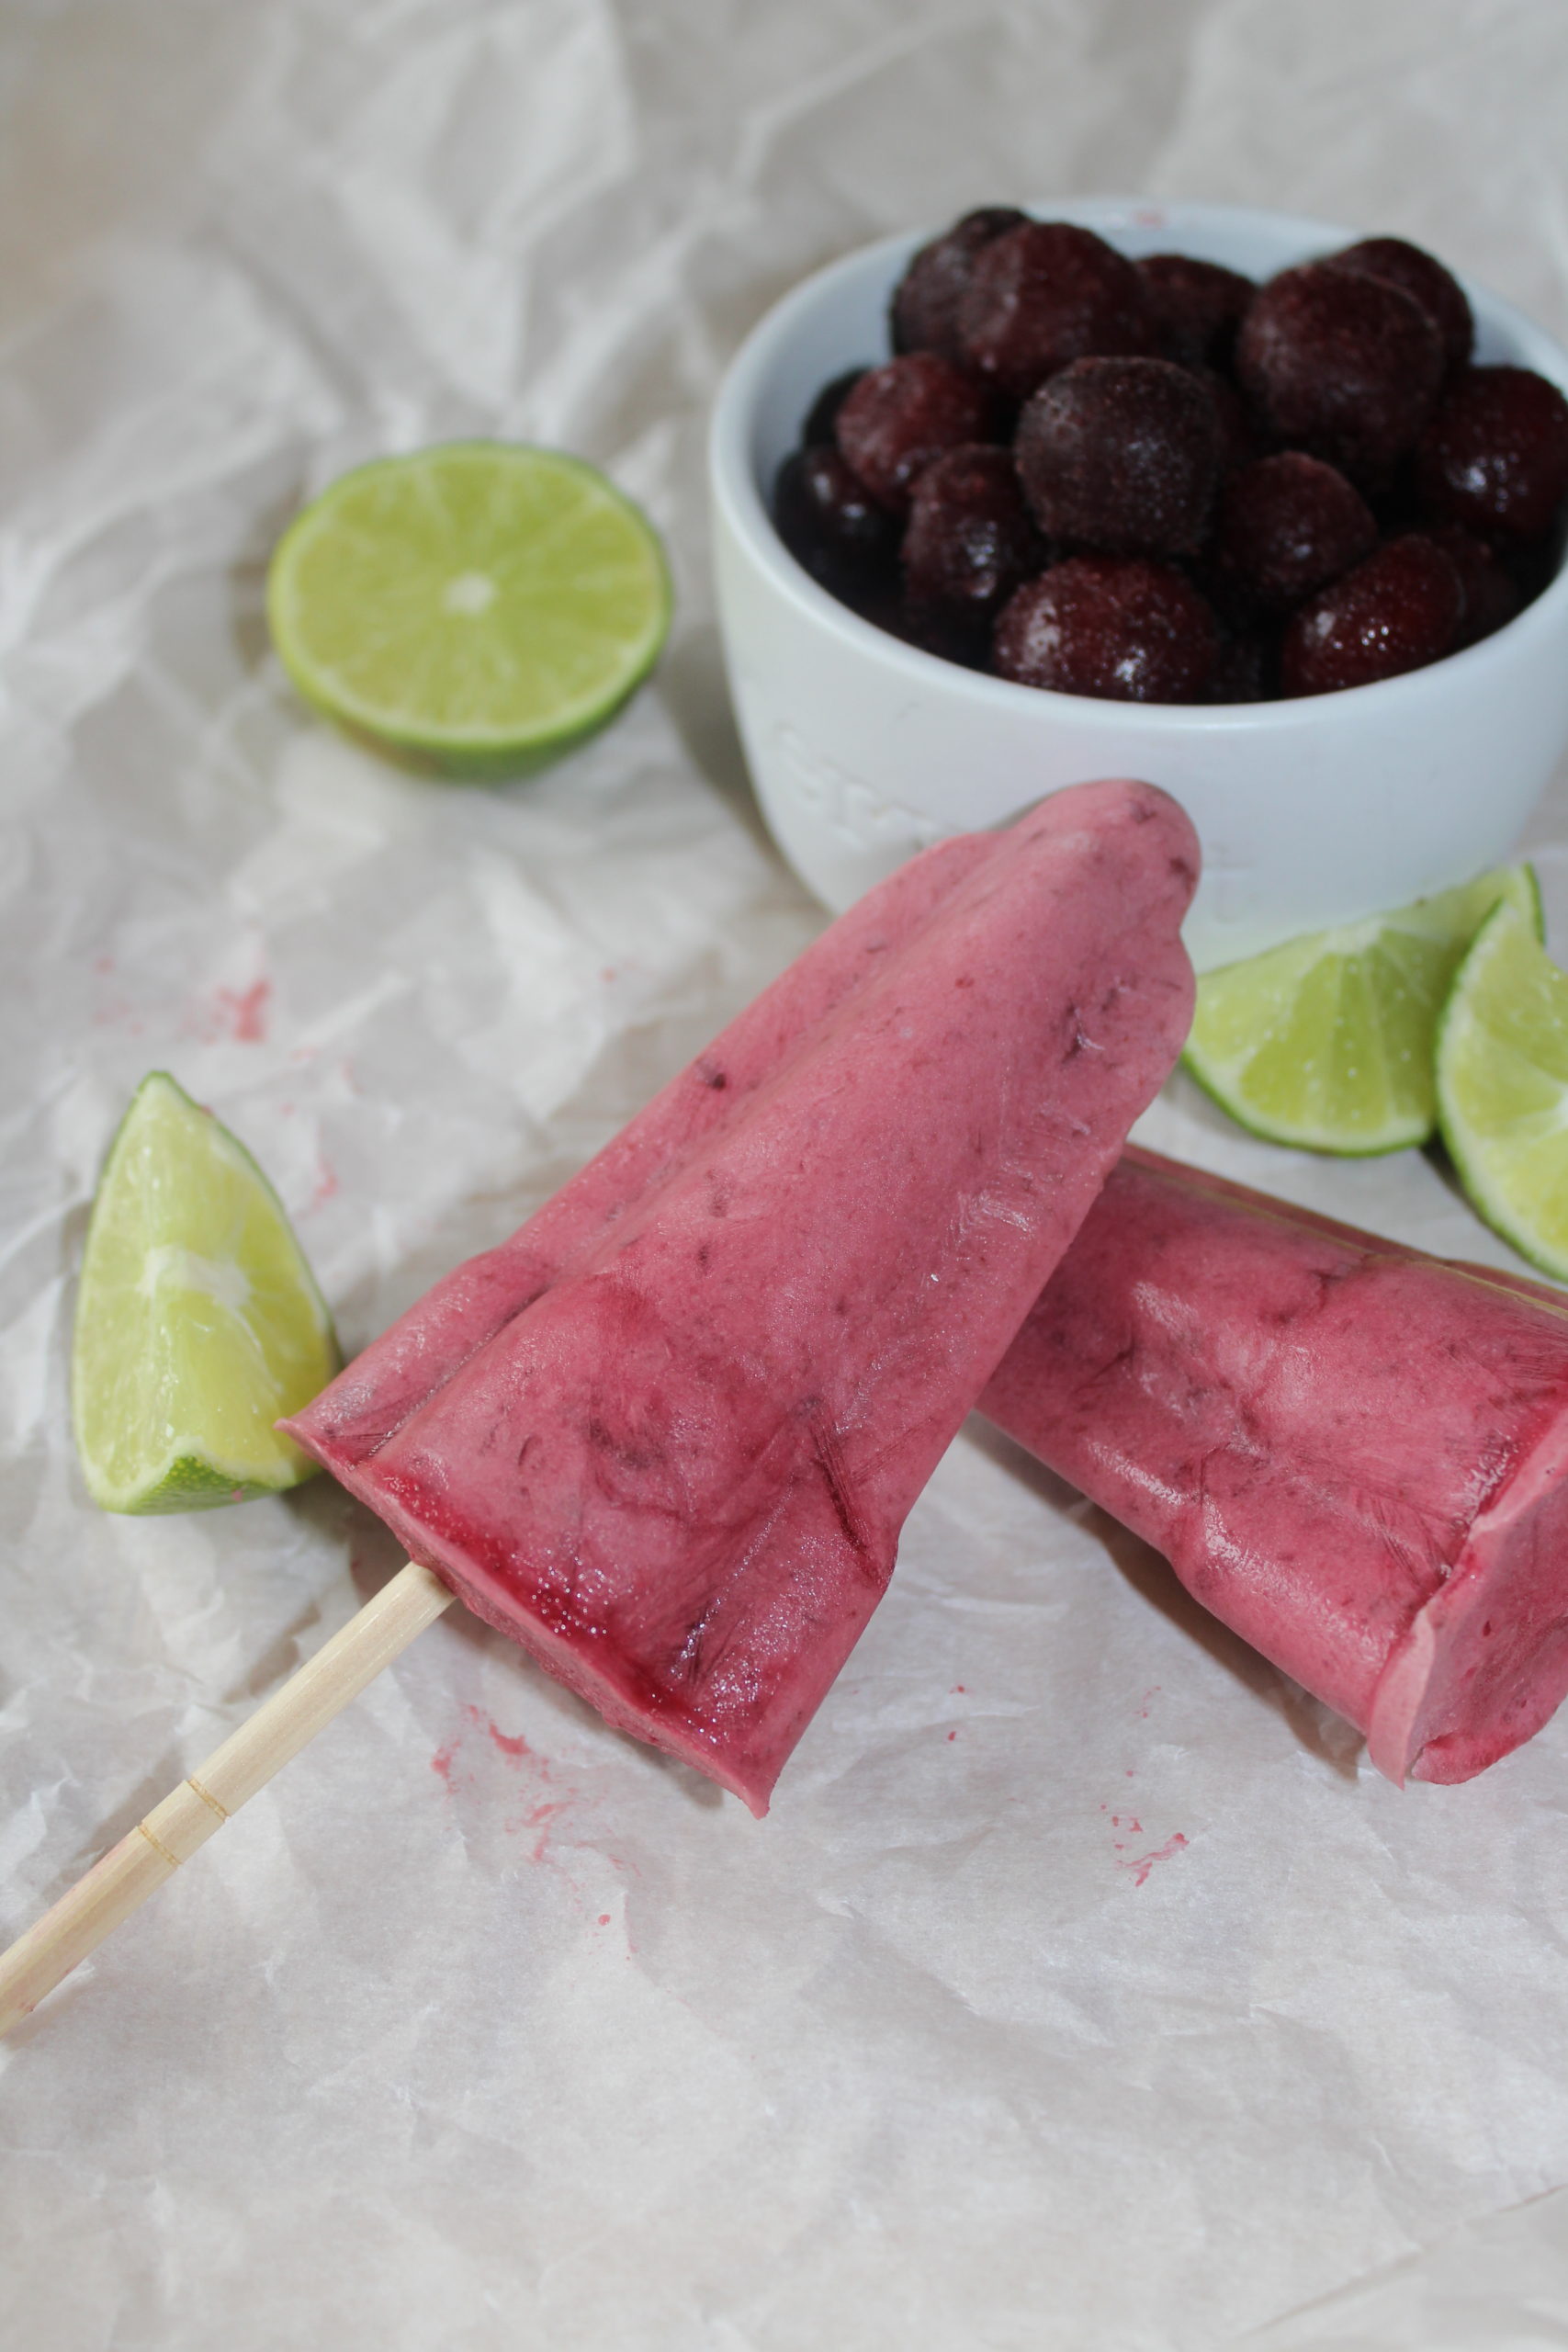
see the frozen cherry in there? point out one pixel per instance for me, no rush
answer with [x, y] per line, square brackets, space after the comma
[1240, 440]
[1399, 610]
[1114, 626]
[1288, 525]
[1242, 671]
[1046, 293]
[1494, 457]
[1122, 455]
[926, 299]
[901, 416]
[822, 418]
[1491, 596]
[1533, 564]
[1424, 278]
[830, 523]
[969, 542]
[1342, 365]
[954, 636]
[1196, 306]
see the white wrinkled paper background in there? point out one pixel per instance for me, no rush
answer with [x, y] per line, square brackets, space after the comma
[1086, 1991]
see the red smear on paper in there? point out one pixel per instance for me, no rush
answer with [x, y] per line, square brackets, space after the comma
[604, 1919]
[326, 1182]
[244, 1012]
[545, 1800]
[952, 1735]
[1142, 1864]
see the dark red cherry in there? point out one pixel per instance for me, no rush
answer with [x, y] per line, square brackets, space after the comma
[1122, 455]
[901, 416]
[1420, 275]
[1240, 437]
[1114, 626]
[1344, 366]
[1244, 670]
[926, 299]
[1491, 596]
[822, 418]
[1494, 457]
[830, 523]
[1196, 306]
[969, 541]
[1044, 294]
[1288, 525]
[1399, 610]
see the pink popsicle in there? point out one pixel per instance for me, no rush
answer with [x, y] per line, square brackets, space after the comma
[667, 1435]
[1354, 1454]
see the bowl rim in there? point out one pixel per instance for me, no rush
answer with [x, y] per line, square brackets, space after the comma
[738, 496]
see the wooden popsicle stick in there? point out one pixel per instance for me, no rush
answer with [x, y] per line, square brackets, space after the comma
[189, 1815]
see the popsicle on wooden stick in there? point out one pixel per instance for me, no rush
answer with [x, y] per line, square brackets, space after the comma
[1355, 1455]
[667, 1435]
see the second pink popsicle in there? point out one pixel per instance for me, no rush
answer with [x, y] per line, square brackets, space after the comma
[1354, 1454]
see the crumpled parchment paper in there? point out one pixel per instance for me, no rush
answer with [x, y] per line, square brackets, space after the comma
[1086, 1988]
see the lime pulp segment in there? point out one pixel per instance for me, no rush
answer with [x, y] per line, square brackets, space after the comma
[1502, 1070]
[198, 1320]
[1327, 1042]
[481, 606]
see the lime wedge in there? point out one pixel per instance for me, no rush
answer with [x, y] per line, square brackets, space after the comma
[479, 608]
[198, 1321]
[1502, 1068]
[1327, 1042]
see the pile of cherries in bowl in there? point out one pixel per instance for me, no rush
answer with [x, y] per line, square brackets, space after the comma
[1154, 481]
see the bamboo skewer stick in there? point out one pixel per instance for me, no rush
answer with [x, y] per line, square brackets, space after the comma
[190, 1814]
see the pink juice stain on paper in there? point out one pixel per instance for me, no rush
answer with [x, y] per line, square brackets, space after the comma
[1142, 1864]
[549, 1801]
[242, 1013]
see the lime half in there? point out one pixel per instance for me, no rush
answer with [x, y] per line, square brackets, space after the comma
[1503, 1088]
[1327, 1042]
[479, 608]
[198, 1321]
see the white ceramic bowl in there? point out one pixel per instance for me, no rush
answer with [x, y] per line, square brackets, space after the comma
[1310, 812]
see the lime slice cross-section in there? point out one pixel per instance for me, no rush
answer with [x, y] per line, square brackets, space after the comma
[479, 608]
[1501, 1069]
[198, 1320]
[1327, 1042]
